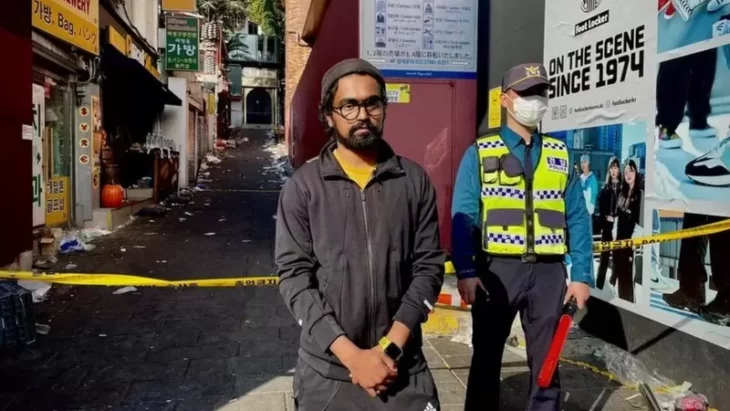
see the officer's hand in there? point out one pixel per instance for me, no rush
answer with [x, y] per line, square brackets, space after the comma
[580, 291]
[468, 289]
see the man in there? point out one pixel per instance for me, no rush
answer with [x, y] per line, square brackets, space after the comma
[514, 194]
[359, 258]
[589, 183]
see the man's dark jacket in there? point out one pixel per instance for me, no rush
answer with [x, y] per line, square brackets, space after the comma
[352, 261]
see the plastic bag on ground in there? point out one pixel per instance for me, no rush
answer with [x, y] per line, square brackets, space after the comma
[629, 370]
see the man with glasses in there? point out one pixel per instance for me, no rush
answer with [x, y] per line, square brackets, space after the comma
[359, 258]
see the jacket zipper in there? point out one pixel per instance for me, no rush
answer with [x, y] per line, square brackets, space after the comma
[371, 279]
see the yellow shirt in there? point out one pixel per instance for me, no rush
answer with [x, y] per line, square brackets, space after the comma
[360, 175]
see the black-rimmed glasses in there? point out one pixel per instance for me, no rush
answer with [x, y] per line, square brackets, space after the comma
[349, 111]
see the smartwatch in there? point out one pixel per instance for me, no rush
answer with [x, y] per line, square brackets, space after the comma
[390, 349]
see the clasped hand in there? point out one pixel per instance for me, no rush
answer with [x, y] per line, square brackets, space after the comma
[372, 370]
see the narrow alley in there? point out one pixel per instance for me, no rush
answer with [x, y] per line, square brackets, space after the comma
[225, 349]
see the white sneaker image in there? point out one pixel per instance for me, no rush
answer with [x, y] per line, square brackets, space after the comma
[713, 167]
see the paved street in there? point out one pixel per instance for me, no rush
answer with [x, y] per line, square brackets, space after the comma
[223, 349]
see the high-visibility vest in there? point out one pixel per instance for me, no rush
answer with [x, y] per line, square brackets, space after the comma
[521, 217]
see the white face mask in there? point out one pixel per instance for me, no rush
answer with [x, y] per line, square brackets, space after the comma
[529, 110]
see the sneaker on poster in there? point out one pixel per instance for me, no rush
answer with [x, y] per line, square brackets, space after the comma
[683, 300]
[687, 8]
[715, 5]
[669, 11]
[722, 26]
[669, 140]
[717, 311]
[713, 167]
[704, 131]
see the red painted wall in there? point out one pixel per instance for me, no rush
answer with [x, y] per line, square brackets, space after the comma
[16, 109]
[434, 129]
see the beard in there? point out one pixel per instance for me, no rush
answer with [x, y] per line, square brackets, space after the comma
[363, 141]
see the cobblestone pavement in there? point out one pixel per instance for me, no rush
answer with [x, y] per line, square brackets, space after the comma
[216, 349]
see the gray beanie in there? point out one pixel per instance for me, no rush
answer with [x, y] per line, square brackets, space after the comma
[347, 67]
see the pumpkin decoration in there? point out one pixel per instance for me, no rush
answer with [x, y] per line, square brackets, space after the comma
[112, 196]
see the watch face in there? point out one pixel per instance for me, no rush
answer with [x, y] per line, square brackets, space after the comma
[393, 351]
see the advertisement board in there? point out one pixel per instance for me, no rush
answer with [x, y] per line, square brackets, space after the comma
[183, 43]
[641, 96]
[420, 38]
[39, 126]
[75, 22]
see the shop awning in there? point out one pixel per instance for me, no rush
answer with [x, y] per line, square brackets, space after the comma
[130, 72]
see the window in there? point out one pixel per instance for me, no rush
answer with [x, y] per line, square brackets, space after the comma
[253, 28]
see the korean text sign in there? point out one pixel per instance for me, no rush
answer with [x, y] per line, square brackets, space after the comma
[73, 21]
[183, 44]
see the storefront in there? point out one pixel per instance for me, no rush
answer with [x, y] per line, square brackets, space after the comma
[138, 162]
[63, 68]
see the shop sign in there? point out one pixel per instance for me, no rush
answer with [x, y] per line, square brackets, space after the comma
[495, 108]
[84, 143]
[398, 93]
[116, 40]
[84, 111]
[178, 5]
[126, 46]
[183, 44]
[84, 159]
[84, 127]
[212, 106]
[57, 197]
[76, 22]
[95, 179]
[39, 121]
[27, 132]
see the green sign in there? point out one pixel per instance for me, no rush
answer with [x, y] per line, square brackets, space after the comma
[183, 43]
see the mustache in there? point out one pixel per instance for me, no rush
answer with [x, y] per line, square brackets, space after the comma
[370, 127]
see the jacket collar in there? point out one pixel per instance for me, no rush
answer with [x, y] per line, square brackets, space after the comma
[388, 161]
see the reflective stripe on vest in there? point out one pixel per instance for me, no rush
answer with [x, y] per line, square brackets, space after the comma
[505, 217]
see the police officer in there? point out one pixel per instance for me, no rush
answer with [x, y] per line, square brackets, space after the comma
[516, 211]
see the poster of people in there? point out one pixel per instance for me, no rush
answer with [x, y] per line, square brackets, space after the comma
[641, 96]
[611, 164]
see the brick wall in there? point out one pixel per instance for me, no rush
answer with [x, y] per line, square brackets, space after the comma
[297, 54]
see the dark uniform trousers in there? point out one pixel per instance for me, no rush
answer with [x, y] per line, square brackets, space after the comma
[313, 392]
[536, 291]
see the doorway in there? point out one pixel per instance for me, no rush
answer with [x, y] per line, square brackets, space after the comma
[258, 106]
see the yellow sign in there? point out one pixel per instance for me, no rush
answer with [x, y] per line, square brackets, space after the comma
[495, 108]
[151, 67]
[212, 108]
[57, 195]
[178, 5]
[117, 40]
[398, 93]
[73, 21]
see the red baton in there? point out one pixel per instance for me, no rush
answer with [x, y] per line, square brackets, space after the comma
[561, 333]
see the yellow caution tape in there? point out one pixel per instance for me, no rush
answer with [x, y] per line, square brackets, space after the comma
[138, 281]
[122, 280]
[601, 246]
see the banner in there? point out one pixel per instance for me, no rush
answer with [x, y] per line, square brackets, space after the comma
[641, 97]
[600, 58]
[183, 44]
[39, 126]
[420, 38]
[75, 22]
